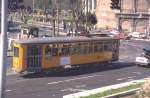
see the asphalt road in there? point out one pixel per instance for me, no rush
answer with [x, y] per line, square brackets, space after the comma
[57, 83]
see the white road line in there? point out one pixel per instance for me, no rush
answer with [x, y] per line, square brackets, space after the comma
[80, 86]
[8, 90]
[64, 90]
[73, 90]
[69, 80]
[131, 77]
[139, 73]
[121, 79]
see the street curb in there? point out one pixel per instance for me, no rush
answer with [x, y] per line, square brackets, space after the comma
[102, 89]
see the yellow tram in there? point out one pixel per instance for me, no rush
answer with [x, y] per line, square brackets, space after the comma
[38, 54]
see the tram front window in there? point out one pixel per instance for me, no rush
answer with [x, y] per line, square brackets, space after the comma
[16, 52]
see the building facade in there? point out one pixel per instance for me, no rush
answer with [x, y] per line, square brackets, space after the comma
[133, 15]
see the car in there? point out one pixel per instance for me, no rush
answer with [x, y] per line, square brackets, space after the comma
[46, 36]
[137, 35]
[144, 58]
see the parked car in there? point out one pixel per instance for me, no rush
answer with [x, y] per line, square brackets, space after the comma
[122, 36]
[46, 36]
[137, 35]
[144, 58]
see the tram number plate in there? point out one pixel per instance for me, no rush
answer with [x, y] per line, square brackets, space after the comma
[65, 61]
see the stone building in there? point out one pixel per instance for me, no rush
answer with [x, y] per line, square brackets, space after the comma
[133, 16]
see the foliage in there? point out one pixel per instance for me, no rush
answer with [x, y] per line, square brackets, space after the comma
[42, 4]
[115, 4]
[92, 18]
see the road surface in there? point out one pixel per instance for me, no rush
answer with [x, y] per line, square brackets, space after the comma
[63, 82]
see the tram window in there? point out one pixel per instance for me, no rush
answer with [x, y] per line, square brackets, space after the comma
[91, 48]
[16, 52]
[86, 48]
[71, 49]
[54, 51]
[74, 49]
[98, 47]
[115, 45]
[64, 50]
[51, 50]
[48, 50]
[77, 48]
[82, 50]
[107, 46]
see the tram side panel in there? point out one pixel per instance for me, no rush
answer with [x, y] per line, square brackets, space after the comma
[19, 64]
[91, 58]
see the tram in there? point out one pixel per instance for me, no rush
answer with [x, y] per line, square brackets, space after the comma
[40, 54]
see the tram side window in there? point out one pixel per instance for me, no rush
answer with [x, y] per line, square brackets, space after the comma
[107, 46]
[16, 52]
[48, 50]
[86, 48]
[54, 51]
[51, 50]
[115, 46]
[71, 49]
[98, 47]
[82, 48]
[64, 49]
[74, 48]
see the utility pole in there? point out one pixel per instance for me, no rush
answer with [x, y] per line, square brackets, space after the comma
[33, 2]
[58, 10]
[3, 47]
[87, 8]
[53, 19]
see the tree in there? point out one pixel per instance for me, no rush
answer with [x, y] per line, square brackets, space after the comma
[77, 12]
[92, 18]
[115, 4]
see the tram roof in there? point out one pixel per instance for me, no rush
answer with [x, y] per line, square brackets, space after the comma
[61, 40]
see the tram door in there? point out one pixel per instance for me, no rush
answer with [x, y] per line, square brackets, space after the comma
[115, 51]
[34, 58]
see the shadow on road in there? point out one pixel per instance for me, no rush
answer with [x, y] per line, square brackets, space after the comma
[85, 69]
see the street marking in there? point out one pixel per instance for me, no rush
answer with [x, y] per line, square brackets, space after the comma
[73, 90]
[67, 89]
[8, 90]
[131, 77]
[80, 86]
[53, 95]
[121, 79]
[139, 73]
[57, 82]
